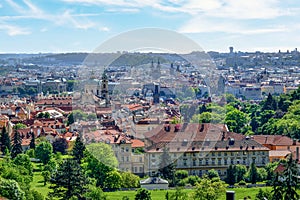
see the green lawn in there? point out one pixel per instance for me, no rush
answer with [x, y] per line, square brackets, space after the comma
[37, 182]
[240, 193]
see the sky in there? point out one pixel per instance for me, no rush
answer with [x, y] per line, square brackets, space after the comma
[39, 26]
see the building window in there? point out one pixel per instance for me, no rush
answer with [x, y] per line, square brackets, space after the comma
[219, 162]
[213, 162]
[141, 169]
[127, 158]
[244, 161]
[225, 161]
[231, 153]
[225, 153]
[200, 161]
[219, 154]
[122, 149]
[127, 149]
[194, 162]
[213, 153]
[263, 160]
[141, 159]
[206, 161]
[200, 172]
[253, 152]
[153, 155]
[184, 155]
[184, 162]
[232, 162]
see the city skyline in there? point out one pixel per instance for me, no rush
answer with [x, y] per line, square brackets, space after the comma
[31, 26]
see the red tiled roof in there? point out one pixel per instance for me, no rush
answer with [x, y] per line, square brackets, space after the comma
[137, 143]
[278, 140]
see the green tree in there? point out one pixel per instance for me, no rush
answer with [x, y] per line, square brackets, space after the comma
[95, 169]
[269, 104]
[47, 115]
[113, 180]
[166, 166]
[69, 180]
[208, 189]
[277, 191]
[17, 144]
[10, 189]
[78, 149]
[24, 161]
[262, 174]
[212, 174]
[43, 152]
[70, 119]
[104, 153]
[143, 194]
[95, 193]
[193, 180]
[60, 145]
[40, 115]
[129, 180]
[236, 120]
[32, 141]
[253, 173]
[230, 175]
[179, 177]
[5, 141]
[290, 183]
[239, 172]
[19, 126]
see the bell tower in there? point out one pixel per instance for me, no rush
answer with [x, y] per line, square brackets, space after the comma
[104, 88]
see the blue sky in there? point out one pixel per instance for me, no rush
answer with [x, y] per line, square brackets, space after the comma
[32, 26]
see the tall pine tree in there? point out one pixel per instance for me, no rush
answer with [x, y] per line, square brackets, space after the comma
[166, 166]
[78, 149]
[69, 180]
[5, 141]
[17, 145]
[32, 141]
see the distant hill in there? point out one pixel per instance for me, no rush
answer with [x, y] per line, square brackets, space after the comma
[113, 59]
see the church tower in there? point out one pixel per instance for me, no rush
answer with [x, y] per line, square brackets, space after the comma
[104, 88]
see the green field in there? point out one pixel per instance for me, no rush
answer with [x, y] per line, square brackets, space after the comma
[240, 193]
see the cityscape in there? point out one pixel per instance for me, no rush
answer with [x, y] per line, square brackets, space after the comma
[149, 114]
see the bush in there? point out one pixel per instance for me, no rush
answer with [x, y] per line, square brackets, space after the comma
[193, 180]
[143, 194]
[11, 189]
[242, 182]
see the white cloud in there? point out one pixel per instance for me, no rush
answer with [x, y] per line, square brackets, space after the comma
[12, 30]
[237, 9]
[31, 11]
[105, 29]
[208, 25]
